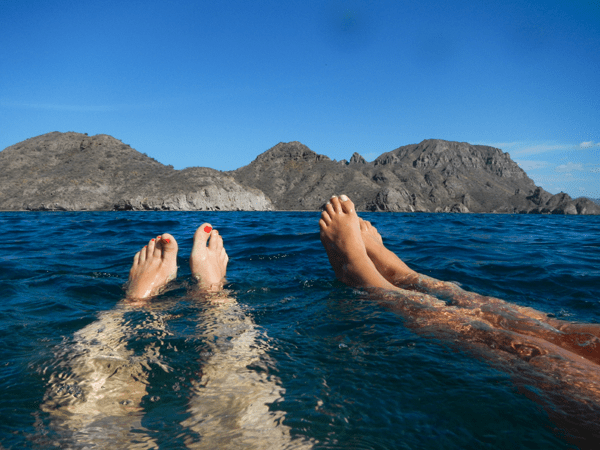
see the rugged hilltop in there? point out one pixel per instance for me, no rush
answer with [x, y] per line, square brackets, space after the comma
[434, 175]
[73, 171]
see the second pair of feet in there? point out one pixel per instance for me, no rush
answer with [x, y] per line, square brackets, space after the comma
[156, 264]
[356, 251]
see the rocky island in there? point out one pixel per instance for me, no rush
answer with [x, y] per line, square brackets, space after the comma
[75, 172]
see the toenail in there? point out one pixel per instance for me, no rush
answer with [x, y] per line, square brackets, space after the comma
[343, 198]
[152, 238]
[167, 240]
[207, 229]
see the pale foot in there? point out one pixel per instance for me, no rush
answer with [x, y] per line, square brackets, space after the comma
[387, 263]
[153, 267]
[208, 262]
[341, 237]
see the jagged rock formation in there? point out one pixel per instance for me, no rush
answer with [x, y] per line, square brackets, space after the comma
[74, 172]
[433, 176]
[357, 159]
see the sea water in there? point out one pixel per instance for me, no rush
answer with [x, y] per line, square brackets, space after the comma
[292, 358]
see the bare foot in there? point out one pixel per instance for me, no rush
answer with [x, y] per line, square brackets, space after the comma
[341, 237]
[153, 267]
[387, 263]
[208, 262]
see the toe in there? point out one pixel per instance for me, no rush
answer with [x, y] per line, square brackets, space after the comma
[336, 204]
[346, 204]
[322, 224]
[325, 217]
[203, 233]
[168, 243]
[151, 247]
[329, 209]
[215, 239]
[142, 253]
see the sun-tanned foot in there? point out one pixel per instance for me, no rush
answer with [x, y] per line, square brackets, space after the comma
[387, 262]
[153, 267]
[208, 262]
[341, 237]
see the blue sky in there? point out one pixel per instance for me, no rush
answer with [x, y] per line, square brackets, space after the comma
[199, 83]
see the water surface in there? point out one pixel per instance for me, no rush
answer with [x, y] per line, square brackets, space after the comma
[294, 359]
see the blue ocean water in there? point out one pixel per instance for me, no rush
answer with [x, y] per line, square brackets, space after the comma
[294, 359]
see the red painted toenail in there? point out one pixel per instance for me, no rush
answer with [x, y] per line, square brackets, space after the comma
[167, 240]
[207, 229]
[152, 239]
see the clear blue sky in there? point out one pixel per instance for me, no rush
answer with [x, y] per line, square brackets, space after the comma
[215, 83]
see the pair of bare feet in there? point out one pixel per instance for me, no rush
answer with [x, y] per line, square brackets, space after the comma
[156, 264]
[356, 251]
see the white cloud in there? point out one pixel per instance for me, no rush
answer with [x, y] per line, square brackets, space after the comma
[569, 167]
[534, 149]
[531, 165]
[501, 145]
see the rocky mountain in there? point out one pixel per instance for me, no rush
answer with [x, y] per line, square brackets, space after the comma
[73, 171]
[432, 176]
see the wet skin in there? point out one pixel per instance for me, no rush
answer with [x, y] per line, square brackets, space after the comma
[156, 264]
[348, 239]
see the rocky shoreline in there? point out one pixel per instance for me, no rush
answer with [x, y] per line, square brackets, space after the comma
[75, 172]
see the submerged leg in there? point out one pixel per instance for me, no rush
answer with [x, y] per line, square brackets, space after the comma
[231, 403]
[581, 339]
[153, 267]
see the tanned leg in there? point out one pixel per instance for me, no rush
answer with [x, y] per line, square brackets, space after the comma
[582, 339]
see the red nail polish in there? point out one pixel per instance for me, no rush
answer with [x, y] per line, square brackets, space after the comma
[207, 229]
[152, 239]
[167, 240]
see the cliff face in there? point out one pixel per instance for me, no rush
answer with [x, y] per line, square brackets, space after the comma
[73, 171]
[434, 176]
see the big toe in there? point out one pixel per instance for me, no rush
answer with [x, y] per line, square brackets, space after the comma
[202, 233]
[347, 205]
[168, 244]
